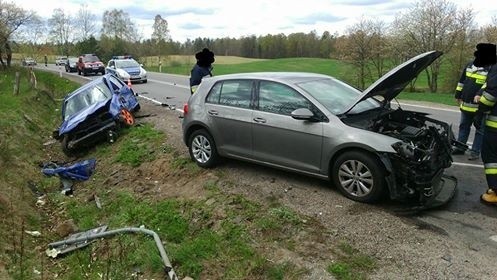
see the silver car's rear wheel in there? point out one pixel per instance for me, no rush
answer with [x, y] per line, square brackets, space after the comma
[202, 148]
[359, 176]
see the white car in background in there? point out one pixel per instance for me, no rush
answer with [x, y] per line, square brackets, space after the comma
[126, 68]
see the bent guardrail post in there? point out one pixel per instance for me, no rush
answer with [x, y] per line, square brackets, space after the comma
[91, 236]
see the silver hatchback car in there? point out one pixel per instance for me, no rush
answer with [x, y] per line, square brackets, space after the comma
[317, 125]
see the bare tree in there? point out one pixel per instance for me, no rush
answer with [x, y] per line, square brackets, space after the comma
[11, 18]
[161, 33]
[60, 29]
[116, 24]
[365, 47]
[429, 25]
[85, 22]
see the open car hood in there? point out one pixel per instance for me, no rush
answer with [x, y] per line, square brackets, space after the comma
[393, 82]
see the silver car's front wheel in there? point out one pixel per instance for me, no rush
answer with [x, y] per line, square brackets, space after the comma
[359, 176]
[202, 148]
[355, 178]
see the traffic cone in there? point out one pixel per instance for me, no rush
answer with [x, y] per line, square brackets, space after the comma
[129, 83]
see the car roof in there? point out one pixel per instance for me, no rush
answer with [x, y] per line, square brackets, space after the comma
[288, 77]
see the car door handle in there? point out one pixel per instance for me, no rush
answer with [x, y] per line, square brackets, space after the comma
[260, 120]
[213, 112]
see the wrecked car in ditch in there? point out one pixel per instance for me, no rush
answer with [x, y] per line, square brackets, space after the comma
[94, 112]
[317, 125]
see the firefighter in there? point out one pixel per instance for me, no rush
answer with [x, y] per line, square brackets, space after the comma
[487, 111]
[472, 79]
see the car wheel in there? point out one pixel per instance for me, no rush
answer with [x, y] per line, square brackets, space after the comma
[65, 146]
[359, 176]
[144, 81]
[79, 72]
[203, 149]
[126, 118]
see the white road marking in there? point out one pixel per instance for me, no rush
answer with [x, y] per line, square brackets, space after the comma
[169, 84]
[493, 238]
[468, 164]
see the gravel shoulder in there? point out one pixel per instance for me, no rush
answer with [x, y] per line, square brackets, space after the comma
[404, 247]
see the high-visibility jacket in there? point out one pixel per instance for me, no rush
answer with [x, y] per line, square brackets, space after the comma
[470, 83]
[488, 99]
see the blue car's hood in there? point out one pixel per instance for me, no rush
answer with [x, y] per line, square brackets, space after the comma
[80, 116]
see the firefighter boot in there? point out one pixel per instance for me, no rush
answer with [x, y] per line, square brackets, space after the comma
[489, 197]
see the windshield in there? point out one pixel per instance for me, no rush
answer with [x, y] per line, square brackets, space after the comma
[337, 96]
[86, 98]
[126, 63]
[90, 58]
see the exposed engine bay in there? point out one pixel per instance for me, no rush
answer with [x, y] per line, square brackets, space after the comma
[422, 154]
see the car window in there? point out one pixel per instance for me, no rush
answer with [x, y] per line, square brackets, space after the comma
[126, 63]
[237, 93]
[86, 98]
[111, 63]
[90, 58]
[280, 99]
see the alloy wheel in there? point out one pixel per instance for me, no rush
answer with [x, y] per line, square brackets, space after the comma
[355, 178]
[201, 149]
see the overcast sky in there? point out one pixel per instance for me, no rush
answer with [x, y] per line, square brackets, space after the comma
[235, 18]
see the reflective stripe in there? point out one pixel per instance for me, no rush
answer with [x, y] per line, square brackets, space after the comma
[480, 77]
[490, 165]
[484, 86]
[469, 107]
[492, 118]
[491, 123]
[488, 96]
[459, 86]
[484, 100]
[491, 171]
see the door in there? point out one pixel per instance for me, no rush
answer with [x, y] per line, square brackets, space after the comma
[280, 139]
[229, 113]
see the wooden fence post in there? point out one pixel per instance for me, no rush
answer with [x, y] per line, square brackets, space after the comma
[16, 85]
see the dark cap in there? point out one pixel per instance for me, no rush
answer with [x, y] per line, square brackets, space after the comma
[205, 57]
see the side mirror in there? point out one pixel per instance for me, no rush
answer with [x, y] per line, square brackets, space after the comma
[303, 114]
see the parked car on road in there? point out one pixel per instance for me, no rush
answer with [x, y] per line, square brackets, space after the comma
[71, 64]
[28, 61]
[94, 112]
[90, 63]
[126, 68]
[61, 60]
[317, 125]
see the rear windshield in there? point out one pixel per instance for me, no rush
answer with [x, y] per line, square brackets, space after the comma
[90, 58]
[86, 98]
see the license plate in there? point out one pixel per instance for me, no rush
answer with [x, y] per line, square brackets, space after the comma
[95, 68]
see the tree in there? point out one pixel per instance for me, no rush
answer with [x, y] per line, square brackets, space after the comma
[160, 33]
[85, 22]
[365, 47]
[116, 24]
[11, 18]
[429, 25]
[60, 29]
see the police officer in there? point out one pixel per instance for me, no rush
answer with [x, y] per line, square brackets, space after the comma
[202, 68]
[472, 79]
[487, 110]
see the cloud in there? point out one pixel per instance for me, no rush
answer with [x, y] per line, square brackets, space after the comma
[191, 26]
[318, 17]
[363, 2]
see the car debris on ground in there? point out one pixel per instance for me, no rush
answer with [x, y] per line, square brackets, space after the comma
[80, 171]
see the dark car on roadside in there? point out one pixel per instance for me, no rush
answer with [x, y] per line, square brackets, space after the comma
[90, 64]
[71, 64]
[317, 125]
[95, 112]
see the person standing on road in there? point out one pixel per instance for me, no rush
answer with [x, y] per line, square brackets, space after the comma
[46, 61]
[202, 68]
[486, 116]
[472, 79]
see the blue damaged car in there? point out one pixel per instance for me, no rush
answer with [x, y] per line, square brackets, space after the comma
[95, 112]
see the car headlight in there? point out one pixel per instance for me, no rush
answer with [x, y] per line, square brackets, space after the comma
[122, 74]
[143, 73]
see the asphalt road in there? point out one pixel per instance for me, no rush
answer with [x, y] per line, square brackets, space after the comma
[465, 216]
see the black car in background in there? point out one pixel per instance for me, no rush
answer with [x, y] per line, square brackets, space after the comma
[71, 64]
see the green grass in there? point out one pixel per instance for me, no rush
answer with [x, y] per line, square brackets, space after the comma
[139, 145]
[351, 263]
